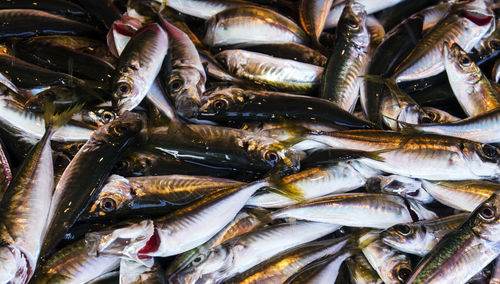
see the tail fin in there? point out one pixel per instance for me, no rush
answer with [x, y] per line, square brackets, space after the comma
[54, 121]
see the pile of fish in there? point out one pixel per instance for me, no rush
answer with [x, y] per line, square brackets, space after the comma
[249, 141]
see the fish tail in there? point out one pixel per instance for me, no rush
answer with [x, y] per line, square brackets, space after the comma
[54, 121]
[276, 185]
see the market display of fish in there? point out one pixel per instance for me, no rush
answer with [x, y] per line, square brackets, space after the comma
[249, 141]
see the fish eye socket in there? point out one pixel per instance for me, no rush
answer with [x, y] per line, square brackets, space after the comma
[487, 213]
[404, 230]
[489, 151]
[107, 116]
[403, 273]
[108, 204]
[198, 259]
[120, 130]
[219, 105]
[124, 89]
[465, 61]
[176, 85]
[271, 156]
[353, 24]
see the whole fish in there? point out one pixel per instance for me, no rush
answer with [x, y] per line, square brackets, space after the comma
[407, 153]
[248, 250]
[349, 56]
[235, 105]
[25, 206]
[463, 195]
[283, 74]
[251, 24]
[421, 237]
[465, 251]
[473, 90]
[138, 66]
[357, 210]
[87, 172]
[186, 81]
[121, 196]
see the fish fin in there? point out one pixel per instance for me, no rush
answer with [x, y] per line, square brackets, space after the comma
[375, 155]
[261, 214]
[54, 121]
[276, 185]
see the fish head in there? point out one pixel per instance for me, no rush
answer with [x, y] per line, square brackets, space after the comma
[271, 153]
[483, 159]
[186, 86]
[127, 90]
[232, 60]
[402, 235]
[485, 219]
[353, 24]
[14, 267]
[205, 266]
[401, 271]
[126, 126]
[459, 65]
[221, 101]
[113, 196]
[127, 240]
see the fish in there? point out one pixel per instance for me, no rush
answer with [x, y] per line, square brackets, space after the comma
[349, 57]
[313, 14]
[282, 74]
[96, 159]
[231, 26]
[400, 185]
[473, 90]
[357, 210]
[133, 272]
[360, 269]
[465, 251]
[138, 66]
[421, 237]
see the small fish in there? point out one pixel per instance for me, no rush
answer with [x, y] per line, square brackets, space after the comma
[465, 251]
[313, 14]
[138, 66]
[361, 270]
[421, 237]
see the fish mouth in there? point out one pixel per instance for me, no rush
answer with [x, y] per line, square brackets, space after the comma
[187, 107]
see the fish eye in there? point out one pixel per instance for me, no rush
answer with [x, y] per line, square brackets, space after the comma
[495, 44]
[489, 151]
[108, 204]
[487, 213]
[124, 89]
[353, 24]
[107, 116]
[198, 259]
[403, 273]
[176, 85]
[219, 105]
[120, 130]
[404, 230]
[271, 156]
[465, 61]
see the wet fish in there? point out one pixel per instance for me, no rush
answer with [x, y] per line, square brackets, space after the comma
[465, 251]
[421, 237]
[313, 14]
[138, 66]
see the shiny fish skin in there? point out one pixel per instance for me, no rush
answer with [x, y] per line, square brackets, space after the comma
[349, 56]
[203, 8]
[138, 66]
[107, 142]
[361, 271]
[473, 90]
[231, 26]
[465, 251]
[356, 210]
[420, 237]
[313, 14]
[283, 74]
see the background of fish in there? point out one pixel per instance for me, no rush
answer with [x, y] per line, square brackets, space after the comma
[249, 141]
